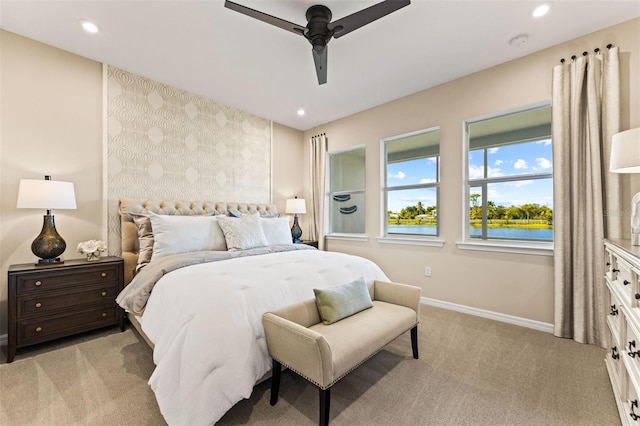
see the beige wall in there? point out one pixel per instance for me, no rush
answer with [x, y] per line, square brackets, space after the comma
[512, 284]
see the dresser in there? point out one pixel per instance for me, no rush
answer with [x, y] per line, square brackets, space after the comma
[622, 278]
[53, 301]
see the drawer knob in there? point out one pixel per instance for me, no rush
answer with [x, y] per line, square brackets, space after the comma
[38, 329]
[608, 263]
[625, 282]
[104, 314]
[104, 274]
[614, 310]
[104, 293]
[637, 296]
[614, 352]
[615, 270]
[38, 305]
[38, 283]
[634, 405]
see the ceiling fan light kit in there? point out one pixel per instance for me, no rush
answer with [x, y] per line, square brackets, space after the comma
[319, 29]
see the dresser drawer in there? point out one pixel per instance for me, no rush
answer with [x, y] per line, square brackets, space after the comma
[46, 302]
[623, 279]
[615, 317]
[46, 328]
[61, 279]
[631, 411]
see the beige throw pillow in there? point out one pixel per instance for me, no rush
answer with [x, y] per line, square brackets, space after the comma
[336, 303]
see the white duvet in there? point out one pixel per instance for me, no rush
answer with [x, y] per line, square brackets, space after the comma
[205, 321]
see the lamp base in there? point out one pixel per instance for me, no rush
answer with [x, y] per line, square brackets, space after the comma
[296, 231]
[49, 245]
[44, 262]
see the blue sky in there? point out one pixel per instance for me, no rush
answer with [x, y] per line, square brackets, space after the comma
[509, 160]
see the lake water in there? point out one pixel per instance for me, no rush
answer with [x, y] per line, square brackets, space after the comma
[511, 233]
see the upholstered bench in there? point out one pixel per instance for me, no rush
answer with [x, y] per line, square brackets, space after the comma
[323, 353]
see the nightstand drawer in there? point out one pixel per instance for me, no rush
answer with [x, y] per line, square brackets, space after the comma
[43, 329]
[51, 280]
[46, 303]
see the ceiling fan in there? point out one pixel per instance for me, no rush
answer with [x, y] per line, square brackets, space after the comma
[319, 29]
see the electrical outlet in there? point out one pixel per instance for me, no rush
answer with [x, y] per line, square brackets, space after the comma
[427, 271]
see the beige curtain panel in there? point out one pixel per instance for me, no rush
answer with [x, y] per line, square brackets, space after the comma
[586, 97]
[317, 169]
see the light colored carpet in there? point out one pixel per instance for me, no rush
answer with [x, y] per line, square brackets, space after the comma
[471, 371]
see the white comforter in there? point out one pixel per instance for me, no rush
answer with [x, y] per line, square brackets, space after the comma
[210, 349]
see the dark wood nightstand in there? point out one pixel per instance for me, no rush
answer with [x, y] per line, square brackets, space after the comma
[310, 243]
[54, 301]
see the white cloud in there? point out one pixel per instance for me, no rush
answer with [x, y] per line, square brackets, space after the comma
[544, 163]
[520, 164]
[399, 175]
[492, 150]
[477, 172]
[427, 180]
[498, 162]
[519, 183]
[545, 142]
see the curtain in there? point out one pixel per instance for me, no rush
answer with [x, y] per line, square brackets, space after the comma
[585, 108]
[317, 178]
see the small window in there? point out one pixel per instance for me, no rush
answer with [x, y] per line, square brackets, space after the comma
[411, 181]
[347, 192]
[510, 176]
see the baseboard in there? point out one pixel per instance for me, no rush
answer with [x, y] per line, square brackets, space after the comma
[510, 319]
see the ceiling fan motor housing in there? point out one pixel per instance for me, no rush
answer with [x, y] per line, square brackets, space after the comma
[318, 32]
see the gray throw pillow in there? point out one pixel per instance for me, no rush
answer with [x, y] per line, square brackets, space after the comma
[336, 303]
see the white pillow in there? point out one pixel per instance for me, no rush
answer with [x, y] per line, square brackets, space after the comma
[182, 234]
[276, 230]
[242, 233]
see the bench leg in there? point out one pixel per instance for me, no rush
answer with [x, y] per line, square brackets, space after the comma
[275, 382]
[414, 341]
[325, 402]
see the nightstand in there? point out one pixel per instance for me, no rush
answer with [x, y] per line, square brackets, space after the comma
[53, 301]
[310, 243]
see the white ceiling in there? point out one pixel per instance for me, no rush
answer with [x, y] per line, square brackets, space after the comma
[202, 47]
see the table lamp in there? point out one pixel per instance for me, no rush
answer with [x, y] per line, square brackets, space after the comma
[296, 206]
[625, 158]
[47, 194]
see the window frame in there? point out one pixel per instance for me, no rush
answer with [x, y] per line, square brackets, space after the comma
[521, 246]
[408, 239]
[328, 222]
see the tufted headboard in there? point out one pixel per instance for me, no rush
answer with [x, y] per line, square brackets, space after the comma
[129, 230]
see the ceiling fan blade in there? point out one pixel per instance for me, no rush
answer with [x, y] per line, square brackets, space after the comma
[320, 59]
[285, 25]
[365, 16]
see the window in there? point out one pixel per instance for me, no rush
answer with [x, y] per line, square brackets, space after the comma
[509, 176]
[410, 184]
[347, 192]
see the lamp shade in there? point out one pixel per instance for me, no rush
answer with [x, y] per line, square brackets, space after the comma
[296, 206]
[46, 194]
[625, 152]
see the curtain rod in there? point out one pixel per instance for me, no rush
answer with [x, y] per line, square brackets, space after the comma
[585, 53]
[321, 134]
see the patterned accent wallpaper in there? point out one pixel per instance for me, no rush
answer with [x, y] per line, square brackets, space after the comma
[167, 143]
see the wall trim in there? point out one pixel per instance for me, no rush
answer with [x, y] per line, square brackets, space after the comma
[510, 319]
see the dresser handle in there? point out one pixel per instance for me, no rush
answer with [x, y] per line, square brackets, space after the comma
[632, 345]
[625, 282]
[104, 274]
[104, 314]
[637, 296]
[614, 310]
[614, 352]
[38, 305]
[104, 293]
[615, 270]
[38, 283]
[634, 405]
[608, 263]
[38, 329]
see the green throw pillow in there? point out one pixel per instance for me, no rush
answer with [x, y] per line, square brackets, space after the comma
[336, 303]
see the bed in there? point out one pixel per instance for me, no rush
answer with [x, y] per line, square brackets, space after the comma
[199, 277]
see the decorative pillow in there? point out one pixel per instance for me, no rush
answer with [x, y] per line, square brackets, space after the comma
[182, 234]
[243, 233]
[145, 239]
[336, 303]
[236, 213]
[276, 231]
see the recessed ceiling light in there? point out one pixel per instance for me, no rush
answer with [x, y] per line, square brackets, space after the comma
[301, 112]
[89, 26]
[541, 10]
